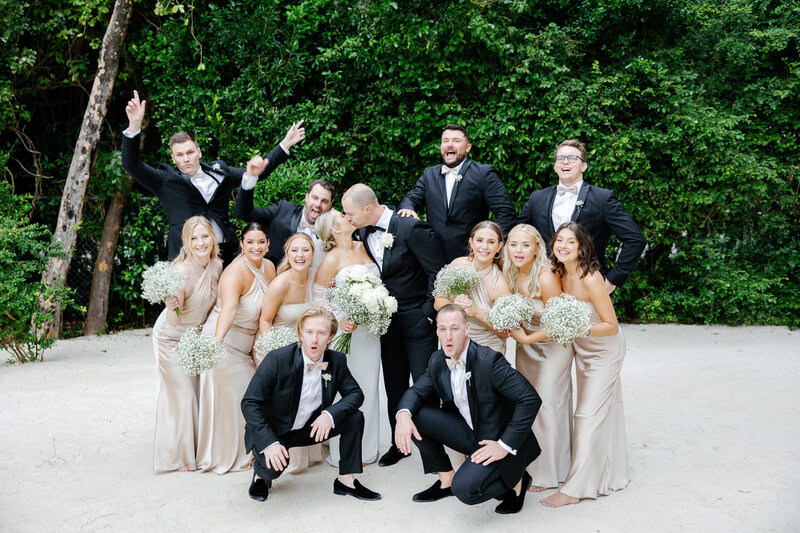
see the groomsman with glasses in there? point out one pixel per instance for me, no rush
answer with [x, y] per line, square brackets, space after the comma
[195, 188]
[457, 194]
[596, 209]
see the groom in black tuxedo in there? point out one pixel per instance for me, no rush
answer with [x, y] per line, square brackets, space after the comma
[409, 255]
[286, 218]
[487, 410]
[196, 188]
[458, 194]
[289, 403]
[596, 209]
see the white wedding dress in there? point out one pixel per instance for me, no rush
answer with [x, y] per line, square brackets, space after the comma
[364, 362]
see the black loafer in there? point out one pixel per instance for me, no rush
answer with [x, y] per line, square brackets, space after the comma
[392, 456]
[259, 490]
[360, 491]
[512, 504]
[433, 493]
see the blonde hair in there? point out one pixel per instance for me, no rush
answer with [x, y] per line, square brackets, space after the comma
[186, 235]
[323, 228]
[312, 312]
[511, 272]
[284, 264]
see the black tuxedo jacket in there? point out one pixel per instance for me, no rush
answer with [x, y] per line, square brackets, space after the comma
[601, 215]
[410, 265]
[281, 220]
[479, 191]
[181, 199]
[502, 403]
[271, 400]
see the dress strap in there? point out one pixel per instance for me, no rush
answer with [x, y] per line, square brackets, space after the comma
[261, 278]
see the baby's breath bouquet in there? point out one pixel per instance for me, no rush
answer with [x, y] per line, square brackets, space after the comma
[509, 312]
[275, 338]
[565, 318]
[161, 280]
[363, 299]
[199, 352]
[452, 281]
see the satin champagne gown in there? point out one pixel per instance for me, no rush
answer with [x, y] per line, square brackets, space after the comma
[175, 436]
[364, 362]
[220, 443]
[480, 297]
[548, 367]
[599, 448]
[287, 315]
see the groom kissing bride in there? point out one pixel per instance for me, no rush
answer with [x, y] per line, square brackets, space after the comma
[409, 256]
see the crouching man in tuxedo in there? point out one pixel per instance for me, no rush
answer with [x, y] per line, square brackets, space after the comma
[289, 403]
[487, 410]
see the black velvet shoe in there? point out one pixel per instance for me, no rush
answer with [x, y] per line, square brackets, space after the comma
[259, 489]
[512, 504]
[392, 456]
[433, 493]
[360, 491]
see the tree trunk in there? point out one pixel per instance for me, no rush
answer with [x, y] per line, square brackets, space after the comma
[71, 210]
[101, 279]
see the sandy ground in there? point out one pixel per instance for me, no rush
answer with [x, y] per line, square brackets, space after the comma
[713, 419]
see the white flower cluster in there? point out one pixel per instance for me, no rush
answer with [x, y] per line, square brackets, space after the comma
[363, 299]
[275, 338]
[509, 312]
[452, 281]
[199, 352]
[565, 318]
[161, 280]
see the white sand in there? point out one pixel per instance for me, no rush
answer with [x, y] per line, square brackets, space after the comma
[713, 418]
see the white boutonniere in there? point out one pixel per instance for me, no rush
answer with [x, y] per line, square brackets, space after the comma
[216, 167]
[459, 177]
[579, 206]
[468, 376]
[326, 378]
[387, 239]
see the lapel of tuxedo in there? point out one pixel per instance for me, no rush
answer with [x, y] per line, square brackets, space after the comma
[579, 203]
[440, 179]
[188, 181]
[387, 252]
[551, 198]
[447, 386]
[362, 235]
[472, 355]
[297, 382]
[212, 173]
[457, 186]
[296, 219]
[327, 386]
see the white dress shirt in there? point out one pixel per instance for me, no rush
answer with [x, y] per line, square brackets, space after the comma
[310, 394]
[564, 205]
[375, 240]
[450, 179]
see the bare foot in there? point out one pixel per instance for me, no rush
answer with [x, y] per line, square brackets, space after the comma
[183, 469]
[535, 488]
[559, 499]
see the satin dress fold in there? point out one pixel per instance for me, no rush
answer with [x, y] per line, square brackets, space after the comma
[599, 447]
[175, 435]
[220, 442]
[480, 297]
[548, 367]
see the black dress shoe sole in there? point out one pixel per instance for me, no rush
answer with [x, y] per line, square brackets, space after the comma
[354, 495]
[428, 500]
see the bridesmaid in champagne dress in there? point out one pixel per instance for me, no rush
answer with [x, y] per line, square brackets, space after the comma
[599, 454]
[175, 439]
[546, 364]
[287, 297]
[485, 244]
[233, 322]
[364, 359]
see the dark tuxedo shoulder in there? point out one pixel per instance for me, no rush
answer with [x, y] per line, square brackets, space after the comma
[482, 168]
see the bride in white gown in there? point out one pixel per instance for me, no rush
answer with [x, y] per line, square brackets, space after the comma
[364, 359]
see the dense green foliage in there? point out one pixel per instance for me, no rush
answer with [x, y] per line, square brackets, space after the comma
[688, 108]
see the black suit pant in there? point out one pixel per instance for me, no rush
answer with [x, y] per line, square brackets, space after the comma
[473, 483]
[351, 430]
[406, 349]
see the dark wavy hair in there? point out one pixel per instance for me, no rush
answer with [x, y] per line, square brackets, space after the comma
[587, 259]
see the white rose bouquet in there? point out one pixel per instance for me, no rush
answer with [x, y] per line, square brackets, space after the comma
[161, 280]
[565, 318]
[363, 299]
[452, 281]
[509, 312]
[199, 352]
[275, 338]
